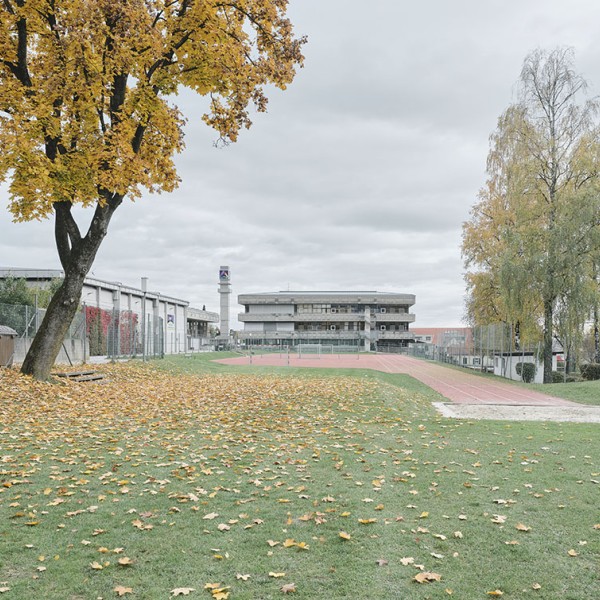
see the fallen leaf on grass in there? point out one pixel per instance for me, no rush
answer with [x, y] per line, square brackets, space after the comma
[288, 588]
[522, 527]
[381, 562]
[242, 577]
[572, 553]
[276, 575]
[427, 577]
[125, 561]
[182, 591]
[122, 590]
[495, 593]
[344, 535]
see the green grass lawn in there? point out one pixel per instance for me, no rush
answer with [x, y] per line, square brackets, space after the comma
[345, 484]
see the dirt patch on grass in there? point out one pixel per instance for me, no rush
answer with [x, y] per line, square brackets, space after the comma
[571, 414]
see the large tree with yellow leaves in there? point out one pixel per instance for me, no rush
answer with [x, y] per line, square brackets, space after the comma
[86, 112]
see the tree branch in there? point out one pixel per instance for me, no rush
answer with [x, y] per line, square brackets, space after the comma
[66, 232]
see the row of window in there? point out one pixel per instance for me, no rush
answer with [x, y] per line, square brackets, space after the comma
[348, 309]
[348, 327]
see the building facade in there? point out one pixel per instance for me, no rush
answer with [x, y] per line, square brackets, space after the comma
[365, 320]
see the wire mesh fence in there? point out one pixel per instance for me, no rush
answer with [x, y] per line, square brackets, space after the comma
[123, 333]
[93, 332]
[495, 348]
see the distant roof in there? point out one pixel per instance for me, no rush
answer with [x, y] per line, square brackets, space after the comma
[5, 330]
[48, 274]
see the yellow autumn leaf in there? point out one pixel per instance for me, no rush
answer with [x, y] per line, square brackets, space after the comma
[344, 535]
[427, 577]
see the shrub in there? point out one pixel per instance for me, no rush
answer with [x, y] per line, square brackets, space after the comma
[590, 371]
[557, 377]
[526, 370]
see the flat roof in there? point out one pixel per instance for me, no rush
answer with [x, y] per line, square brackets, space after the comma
[47, 274]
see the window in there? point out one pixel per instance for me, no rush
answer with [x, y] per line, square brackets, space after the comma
[382, 327]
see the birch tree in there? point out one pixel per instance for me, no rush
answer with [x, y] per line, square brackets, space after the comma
[543, 174]
[87, 115]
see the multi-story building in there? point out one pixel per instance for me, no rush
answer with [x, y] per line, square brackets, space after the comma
[367, 320]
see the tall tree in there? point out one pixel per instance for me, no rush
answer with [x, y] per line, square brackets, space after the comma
[540, 205]
[86, 112]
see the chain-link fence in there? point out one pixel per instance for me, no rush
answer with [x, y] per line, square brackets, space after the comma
[495, 348]
[93, 333]
[123, 333]
[26, 320]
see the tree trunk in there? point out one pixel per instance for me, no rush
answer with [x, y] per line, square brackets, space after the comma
[548, 314]
[77, 255]
[57, 320]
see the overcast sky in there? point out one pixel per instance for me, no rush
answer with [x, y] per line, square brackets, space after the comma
[360, 175]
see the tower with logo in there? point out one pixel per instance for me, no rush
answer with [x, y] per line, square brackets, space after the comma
[224, 292]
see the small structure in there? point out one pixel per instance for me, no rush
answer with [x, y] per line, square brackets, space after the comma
[7, 345]
[509, 364]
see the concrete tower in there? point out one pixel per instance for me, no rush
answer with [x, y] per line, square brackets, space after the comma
[225, 292]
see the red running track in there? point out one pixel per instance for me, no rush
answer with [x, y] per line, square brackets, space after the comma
[459, 386]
